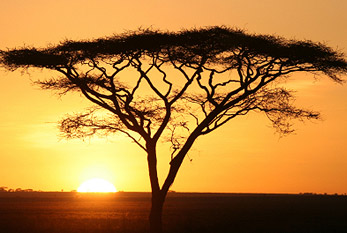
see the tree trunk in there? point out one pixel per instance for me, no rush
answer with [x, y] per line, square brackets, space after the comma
[158, 196]
[155, 216]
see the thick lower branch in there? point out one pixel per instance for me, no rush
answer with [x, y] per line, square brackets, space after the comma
[176, 162]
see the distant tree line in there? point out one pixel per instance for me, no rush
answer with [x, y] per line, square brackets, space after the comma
[4, 189]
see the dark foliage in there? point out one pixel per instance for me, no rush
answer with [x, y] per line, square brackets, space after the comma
[185, 46]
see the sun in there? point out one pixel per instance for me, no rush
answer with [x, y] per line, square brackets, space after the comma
[97, 185]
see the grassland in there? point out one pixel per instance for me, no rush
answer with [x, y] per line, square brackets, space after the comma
[184, 212]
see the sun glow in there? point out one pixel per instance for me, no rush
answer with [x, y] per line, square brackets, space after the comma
[96, 185]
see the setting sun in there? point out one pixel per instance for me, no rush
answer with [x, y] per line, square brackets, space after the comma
[96, 185]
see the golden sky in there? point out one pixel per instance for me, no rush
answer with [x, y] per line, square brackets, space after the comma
[244, 156]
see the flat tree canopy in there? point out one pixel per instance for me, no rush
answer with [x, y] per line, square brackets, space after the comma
[177, 86]
[216, 45]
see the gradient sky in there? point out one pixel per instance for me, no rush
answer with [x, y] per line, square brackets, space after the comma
[244, 156]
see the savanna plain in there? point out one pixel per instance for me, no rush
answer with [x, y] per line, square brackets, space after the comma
[124, 212]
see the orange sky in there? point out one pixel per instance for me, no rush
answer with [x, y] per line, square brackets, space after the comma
[244, 156]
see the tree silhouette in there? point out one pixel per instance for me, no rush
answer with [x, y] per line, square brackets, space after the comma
[176, 86]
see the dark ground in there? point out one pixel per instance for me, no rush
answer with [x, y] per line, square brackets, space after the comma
[184, 213]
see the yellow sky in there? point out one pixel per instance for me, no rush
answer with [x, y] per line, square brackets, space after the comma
[244, 156]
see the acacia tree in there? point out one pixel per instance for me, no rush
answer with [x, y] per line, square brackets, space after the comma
[155, 86]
